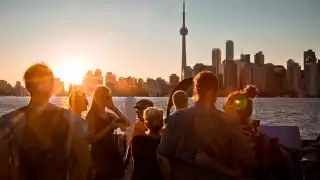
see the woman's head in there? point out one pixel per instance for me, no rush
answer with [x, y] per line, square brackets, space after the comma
[78, 101]
[153, 119]
[206, 86]
[101, 96]
[238, 105]
[251, 91]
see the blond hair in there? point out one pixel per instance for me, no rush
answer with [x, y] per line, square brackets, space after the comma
[180, 99]
[153, 118]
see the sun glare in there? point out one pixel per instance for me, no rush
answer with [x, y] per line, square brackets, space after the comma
[71, 71]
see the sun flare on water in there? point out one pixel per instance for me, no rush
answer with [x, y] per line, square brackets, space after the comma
[71, 71]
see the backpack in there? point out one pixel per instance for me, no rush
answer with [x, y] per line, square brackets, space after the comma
[44, 157]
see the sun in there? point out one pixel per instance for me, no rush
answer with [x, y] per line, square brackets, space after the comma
[71, 71]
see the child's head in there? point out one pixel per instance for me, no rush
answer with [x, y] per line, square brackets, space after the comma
[153, 118]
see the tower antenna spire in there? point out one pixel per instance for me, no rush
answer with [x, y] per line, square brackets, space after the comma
[184, 13]
[183, 33]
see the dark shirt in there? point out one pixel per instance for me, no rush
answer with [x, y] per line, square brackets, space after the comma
[208, 130]
[105, 153]
[145, 158]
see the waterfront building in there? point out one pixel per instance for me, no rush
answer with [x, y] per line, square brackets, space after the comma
[230, 76]
[173, 79]
[229, 50]
[259, 58]
[200, 67]
[216, 60]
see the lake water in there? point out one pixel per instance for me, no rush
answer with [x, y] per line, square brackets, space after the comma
[304, 113]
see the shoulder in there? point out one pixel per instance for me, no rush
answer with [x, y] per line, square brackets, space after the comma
[228, 121]
[139, 125]
[71, 116]
[11, 118]
[75, 121]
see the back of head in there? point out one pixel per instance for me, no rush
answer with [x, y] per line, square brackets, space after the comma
[206, 86]
[153, 118]
[251, 91]
[180, 99]
[238, 103]
[75, 97]
[39, 80]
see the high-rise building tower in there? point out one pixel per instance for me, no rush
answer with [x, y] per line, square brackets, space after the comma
[229, 50]
[216, 60]
[183, 33]
[259, 58]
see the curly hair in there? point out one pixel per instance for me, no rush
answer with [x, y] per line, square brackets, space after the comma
[251, 91]
[240, 103]
[153, 118]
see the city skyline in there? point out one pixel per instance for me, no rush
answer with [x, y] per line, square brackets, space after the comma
[106, 35]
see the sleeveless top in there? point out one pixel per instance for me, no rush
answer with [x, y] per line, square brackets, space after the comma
[105, 153]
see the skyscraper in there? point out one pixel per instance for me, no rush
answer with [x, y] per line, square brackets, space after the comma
[230, 76]
[309, 56]
[313, 81]
[183, 33]
[216, 60]
[245, 57]
[173, 79]
[259, 58]
[309, 59]
[229, 50]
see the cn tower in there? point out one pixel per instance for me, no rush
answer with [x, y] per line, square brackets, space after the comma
[183, 33]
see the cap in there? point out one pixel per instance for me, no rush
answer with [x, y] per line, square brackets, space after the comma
[143, 104]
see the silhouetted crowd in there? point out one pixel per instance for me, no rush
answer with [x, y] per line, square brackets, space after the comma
[42, 141]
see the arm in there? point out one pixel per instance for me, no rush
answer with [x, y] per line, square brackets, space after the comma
[93, 136]
[242, 147]
[204, 160]
[79, 148]
[122, 117]
[165, 167]
[138, 129]
[167, 148]
[4, 151]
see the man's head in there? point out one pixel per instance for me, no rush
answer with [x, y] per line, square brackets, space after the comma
[180, 100]
[39, 81]
[206, 86]
[78, 101]
[141, 106]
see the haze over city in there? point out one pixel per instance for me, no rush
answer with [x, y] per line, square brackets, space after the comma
[141, 38]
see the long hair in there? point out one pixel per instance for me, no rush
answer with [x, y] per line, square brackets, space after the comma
[204, 82]
[100, 94]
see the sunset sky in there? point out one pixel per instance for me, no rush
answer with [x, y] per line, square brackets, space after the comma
[141, 37]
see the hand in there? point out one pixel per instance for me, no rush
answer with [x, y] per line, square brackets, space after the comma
[203, 159]
[110, 105]
[114, 125]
